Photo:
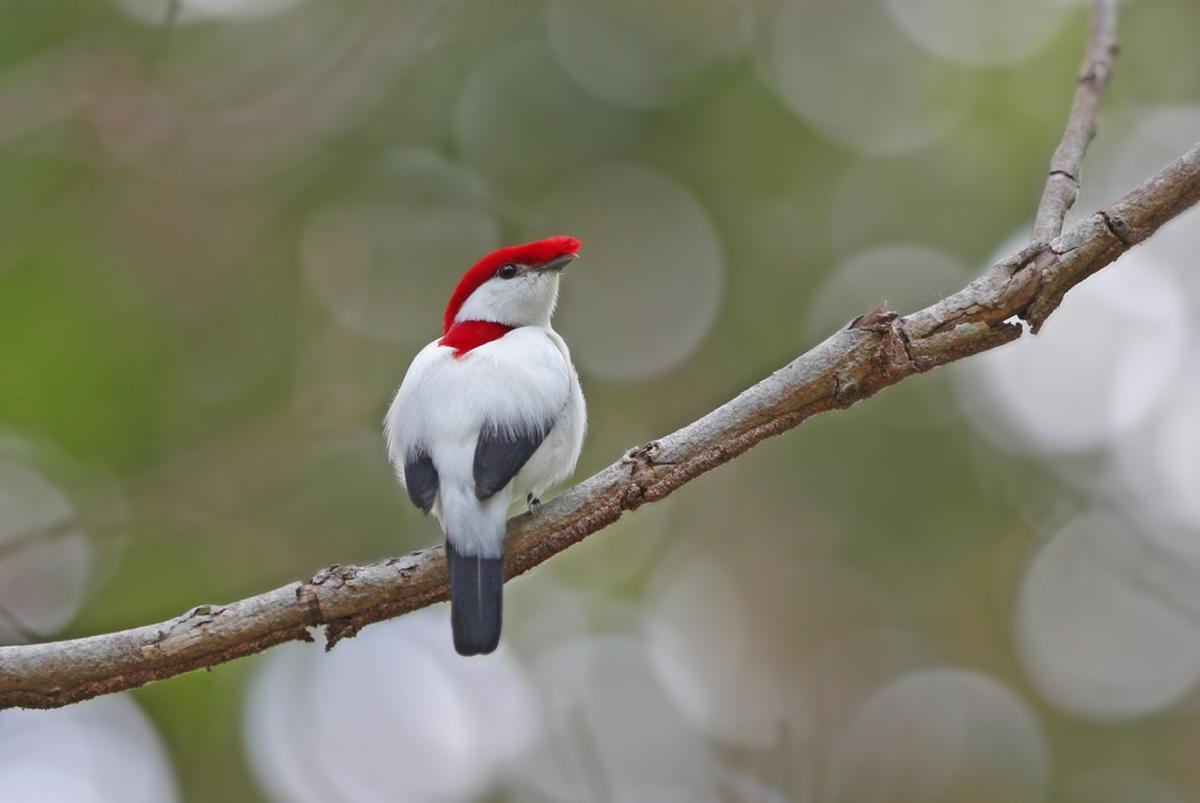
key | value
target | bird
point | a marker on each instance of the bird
(489, 415)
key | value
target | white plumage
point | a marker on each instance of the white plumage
(489, 415)
(517, 383)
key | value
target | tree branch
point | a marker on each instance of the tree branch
(876, 350)
(1062, 182)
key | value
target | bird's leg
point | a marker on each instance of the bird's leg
(535, 504)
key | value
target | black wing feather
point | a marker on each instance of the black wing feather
(421, 480)
(499, 456)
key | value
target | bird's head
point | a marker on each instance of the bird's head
(512, 286)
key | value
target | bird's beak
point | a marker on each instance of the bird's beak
(558, 263)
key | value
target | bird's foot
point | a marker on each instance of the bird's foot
(535, 504)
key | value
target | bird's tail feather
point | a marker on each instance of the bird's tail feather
(476, 601)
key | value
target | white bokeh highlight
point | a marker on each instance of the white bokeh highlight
(1158, 137)
(979, 32)
(522, 89)
(157, 12)
(1102, 364)
(734, 693)
(838, 678)
(908, 276)
(398, 713)
(610, 726)
(649, 284)
(99, 751)
(941, 734)
(384, 260)
(889, 96)
(45, 555)
(1108, 622)
(646, 55)
(1159, 467)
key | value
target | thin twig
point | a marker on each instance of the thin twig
(1062, 183)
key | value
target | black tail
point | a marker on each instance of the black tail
(476, 601)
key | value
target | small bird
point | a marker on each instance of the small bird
(488, 415)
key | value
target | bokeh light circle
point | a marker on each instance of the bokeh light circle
(522, 90)
(907, 276)
(842, 67)
(844, 673)
(1159, 466)
(941, 734)
(399, 703)
(649, 283)
(384, 259)
(733, 693)
(594, 691)
(1106, 620)
(641, 54)
(1158, 137)
(979, 32)
(101, 750)
(1102, 364)
(45, 555)
(157, 12)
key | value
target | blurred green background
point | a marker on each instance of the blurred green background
(226, 226)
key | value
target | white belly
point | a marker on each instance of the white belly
(522, 380)
(555, 459)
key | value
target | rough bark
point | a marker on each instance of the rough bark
(1062, 182)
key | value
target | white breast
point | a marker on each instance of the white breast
(521, 382)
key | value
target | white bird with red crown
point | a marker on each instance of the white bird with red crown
(488, 415)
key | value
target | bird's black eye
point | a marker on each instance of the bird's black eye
(507, 271)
